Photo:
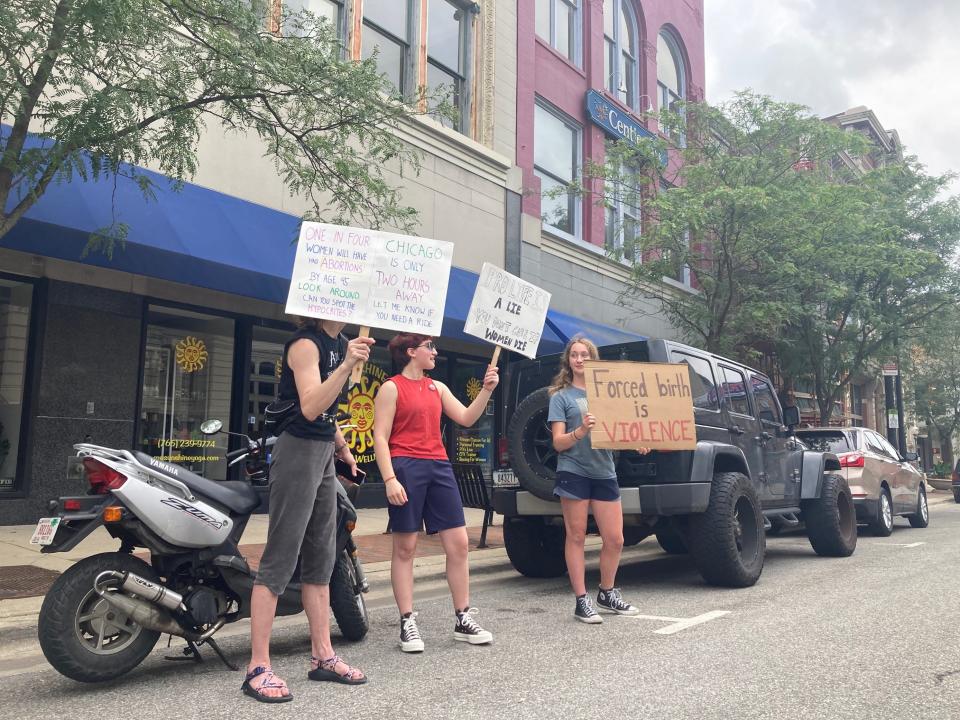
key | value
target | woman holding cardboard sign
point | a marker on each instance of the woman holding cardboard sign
(586, 480)
(419, 481)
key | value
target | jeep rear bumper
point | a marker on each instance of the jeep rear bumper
(651, 500)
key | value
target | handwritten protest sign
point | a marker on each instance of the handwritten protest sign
(507, 311)
(370, 278)
(640, 405)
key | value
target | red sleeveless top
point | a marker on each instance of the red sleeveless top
(416, 422)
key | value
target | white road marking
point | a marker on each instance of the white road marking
(655, 617)
(690, 622)
(909, 545)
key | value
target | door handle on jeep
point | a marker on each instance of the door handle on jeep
(736, 430)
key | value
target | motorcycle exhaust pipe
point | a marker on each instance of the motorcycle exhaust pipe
(145, 611)
(144, 614)
(149, 591)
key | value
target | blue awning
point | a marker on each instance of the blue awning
(207, 239)
(557, 331)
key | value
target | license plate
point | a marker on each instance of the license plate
(46, 529)
(505, 478)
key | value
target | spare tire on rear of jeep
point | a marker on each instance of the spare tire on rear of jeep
(530, 440)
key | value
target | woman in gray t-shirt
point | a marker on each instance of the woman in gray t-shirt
(586, 481)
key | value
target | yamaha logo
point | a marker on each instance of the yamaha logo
(166, 467)
(193, 511)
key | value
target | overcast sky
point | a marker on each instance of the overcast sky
(901, 58)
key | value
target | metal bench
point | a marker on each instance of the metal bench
(474, 493)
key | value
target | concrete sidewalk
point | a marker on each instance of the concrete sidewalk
(26, 573)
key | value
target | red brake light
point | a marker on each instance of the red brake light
(71, 504)
(102, 478)
(503, 452)
(853, 460)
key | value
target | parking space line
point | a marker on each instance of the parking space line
(691, 622)
(909, 545)
(655, 617)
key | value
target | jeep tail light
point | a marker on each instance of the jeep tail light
(503, 452)
(851, 460)
(102, 478)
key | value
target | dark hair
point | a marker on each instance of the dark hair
(400, 344)
(308, 323)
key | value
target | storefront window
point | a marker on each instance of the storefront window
(15, 301)
(357, 402)
(187, 378)
(473, 444)
(266, 358)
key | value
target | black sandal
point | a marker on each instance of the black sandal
(325, 671)
(257, 692)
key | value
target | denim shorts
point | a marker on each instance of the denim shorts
(433, 498)
(577, 487)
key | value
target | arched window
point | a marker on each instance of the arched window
(620, 51)
(671, 79)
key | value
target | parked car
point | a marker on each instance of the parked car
(712, 502)
(955, 481)
(883, 482)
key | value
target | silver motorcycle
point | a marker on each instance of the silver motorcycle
(104, 615)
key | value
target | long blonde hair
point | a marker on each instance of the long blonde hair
(564, 376)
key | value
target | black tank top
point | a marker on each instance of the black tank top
(332, 351)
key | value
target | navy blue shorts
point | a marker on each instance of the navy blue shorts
(577, 487)
(432, 497)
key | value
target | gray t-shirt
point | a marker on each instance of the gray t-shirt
(568, 405)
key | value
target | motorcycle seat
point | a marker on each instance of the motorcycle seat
(236, 496)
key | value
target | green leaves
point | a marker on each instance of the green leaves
(139, 82)
(797, 252)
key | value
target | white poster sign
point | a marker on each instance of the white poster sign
(507, 311)
(370, 278)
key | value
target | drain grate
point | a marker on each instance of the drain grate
(23, 581)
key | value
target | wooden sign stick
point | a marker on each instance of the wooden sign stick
(357, 371)
(496, 356)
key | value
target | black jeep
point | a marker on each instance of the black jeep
(713, 502)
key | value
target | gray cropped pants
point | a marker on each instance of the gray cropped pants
(303, 514)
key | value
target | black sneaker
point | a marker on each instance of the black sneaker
(612, 601)
(584, 611)
(410, 640)
(467, 629)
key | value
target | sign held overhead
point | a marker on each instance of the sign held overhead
(507, 311)
(370, 278)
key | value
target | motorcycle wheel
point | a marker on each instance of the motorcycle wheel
(81, 634)
(347, 601)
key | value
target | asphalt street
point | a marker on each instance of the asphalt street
(870, 636)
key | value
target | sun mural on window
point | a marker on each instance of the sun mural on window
(191, 354)
(474, 386)
(358, 433)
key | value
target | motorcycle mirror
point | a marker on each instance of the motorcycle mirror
(210, 427)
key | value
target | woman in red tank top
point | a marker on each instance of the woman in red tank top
(419, 481)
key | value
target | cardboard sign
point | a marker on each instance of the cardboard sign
(370, 278)
(507, 311)
(640, 405)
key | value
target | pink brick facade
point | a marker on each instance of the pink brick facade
(545, 74)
